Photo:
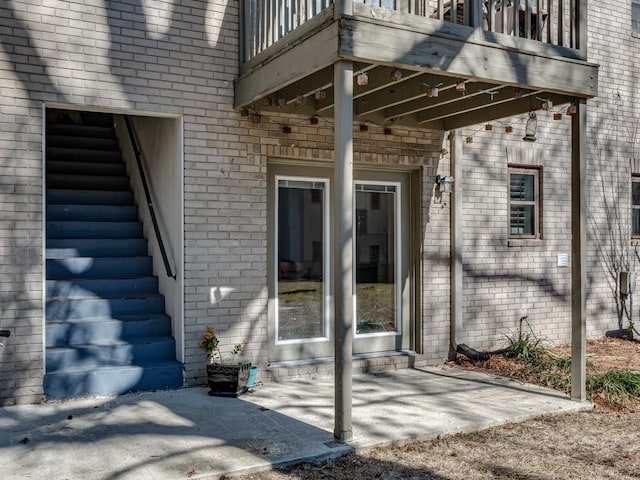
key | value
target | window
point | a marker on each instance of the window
(635, 16)
(635, 206)
(524, 202)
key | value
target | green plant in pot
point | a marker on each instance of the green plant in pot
(227, 373)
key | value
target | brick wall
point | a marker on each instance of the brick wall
(180, 58)
(613, 147)
(176, 58)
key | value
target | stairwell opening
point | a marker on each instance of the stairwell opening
(113, 317)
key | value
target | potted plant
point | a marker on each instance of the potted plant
(227, 374)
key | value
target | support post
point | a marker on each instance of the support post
(455, 222)
(581, 9)
(342, 7)
(578, 252)
(343, 259)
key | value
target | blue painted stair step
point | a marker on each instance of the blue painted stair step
(106, 328)
(95, 247)
(87, 331)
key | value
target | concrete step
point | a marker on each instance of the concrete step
(94, 230)
(107, 380)
(86, 168)
(98, 267)
(146, 350)
(83, 155)
(95, 247)
(89, 331)
(101, 287)
(88, 182)
(89, 197)
(97, 213)
(102, 307)
(82, 142)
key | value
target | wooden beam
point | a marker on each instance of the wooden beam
(320, 80)
(379, 79)
(481, 99)
(288, 67)
(581, 11)
(447, 96)
(579, 252)
(456, 242)
(502, 110)
(372, 42)
(402, 93)
(343, 319)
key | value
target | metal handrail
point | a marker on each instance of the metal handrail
(147, 194)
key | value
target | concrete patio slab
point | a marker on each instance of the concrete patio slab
(187, 434)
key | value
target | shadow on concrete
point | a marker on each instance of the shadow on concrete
(174, 434)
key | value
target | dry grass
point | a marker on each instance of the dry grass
(604, 444)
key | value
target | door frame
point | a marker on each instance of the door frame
(307, 350)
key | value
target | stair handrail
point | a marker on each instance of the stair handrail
(147, 194)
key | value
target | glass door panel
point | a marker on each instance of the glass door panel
(301, 270)
(376, 259)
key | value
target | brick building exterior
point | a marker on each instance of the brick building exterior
(176, 61)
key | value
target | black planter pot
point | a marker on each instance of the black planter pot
(624, 333)
(228, 380)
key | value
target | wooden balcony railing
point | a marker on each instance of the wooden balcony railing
(556, 22)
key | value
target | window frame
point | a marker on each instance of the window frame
(536, 172)
(635, 26)
(635, 178)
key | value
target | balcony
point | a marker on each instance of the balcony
(418, 63)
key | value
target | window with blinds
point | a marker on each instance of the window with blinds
(524, 203)
(635, 206)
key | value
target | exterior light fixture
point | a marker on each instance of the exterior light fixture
(530, 128)
(320, 95)
(301, 100)
(313, 121)
(508, 129)
(469, 140)
(362, 79)
(488, 127)
(364, 127)
(255, 118)
(396, 75)
(557, 116)
(547, 105)
(572, 109)
(387, 131)
(461, 87)
(286, 129)
(444, 183)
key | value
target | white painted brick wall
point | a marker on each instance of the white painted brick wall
(180, 57)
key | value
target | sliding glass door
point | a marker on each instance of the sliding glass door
(301, 281)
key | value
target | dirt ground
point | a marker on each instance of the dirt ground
(602, 444)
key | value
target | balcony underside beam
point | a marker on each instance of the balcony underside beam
(364, 41)
(294, 64)
(403, 64)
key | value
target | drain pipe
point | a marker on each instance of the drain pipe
(455, 228)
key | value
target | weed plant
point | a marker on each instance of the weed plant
(543, 367)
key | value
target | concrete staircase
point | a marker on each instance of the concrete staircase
(106, 328)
